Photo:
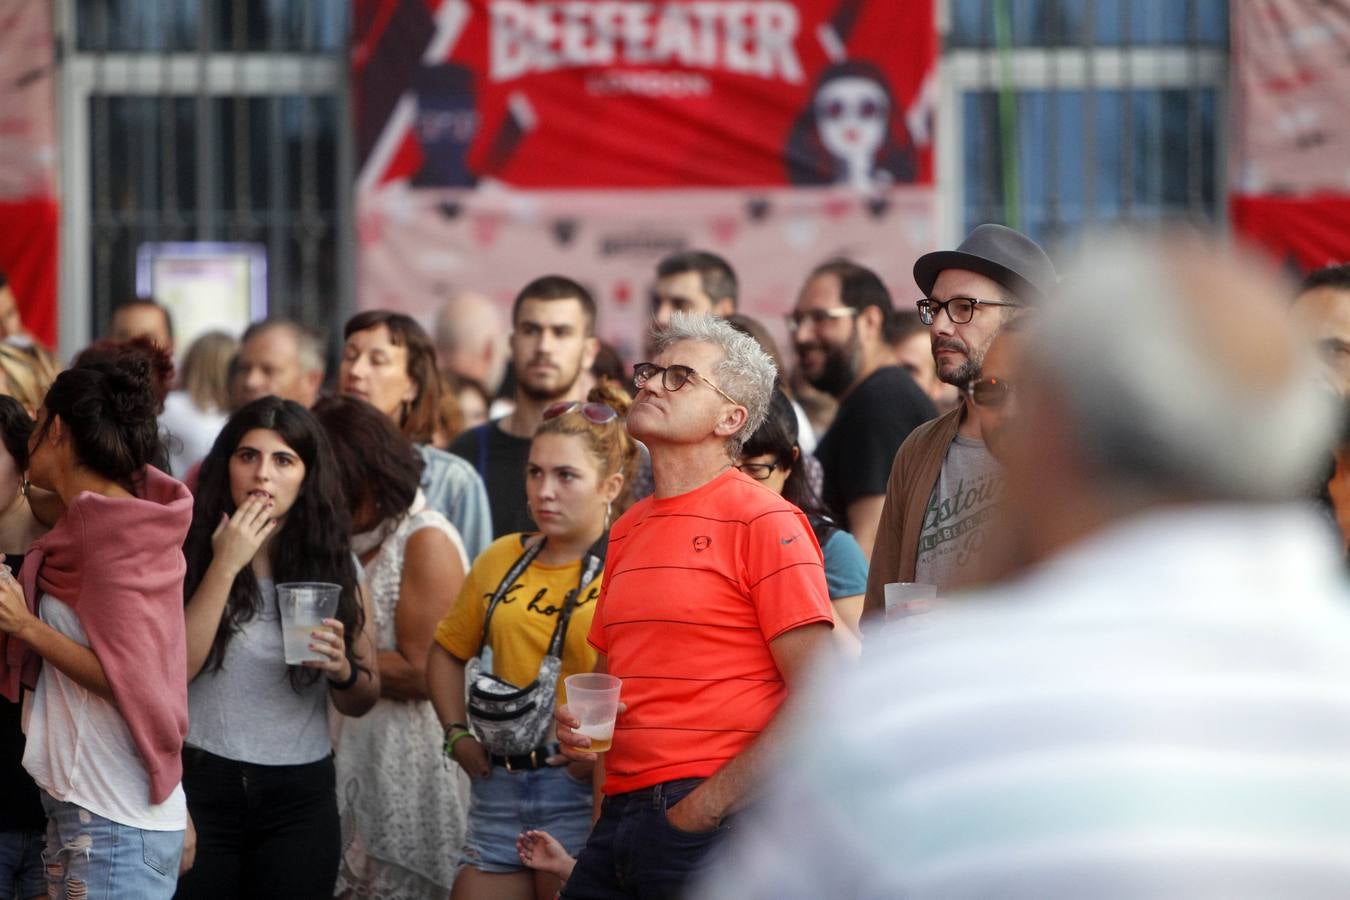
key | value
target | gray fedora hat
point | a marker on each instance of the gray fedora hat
(997, 252)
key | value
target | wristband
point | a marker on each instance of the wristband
(348, 681)
(454, 726)
(452, 739)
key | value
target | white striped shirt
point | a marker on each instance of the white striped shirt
(1161, 711)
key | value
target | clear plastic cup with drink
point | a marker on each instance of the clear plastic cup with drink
(304, 605)
(906, 599)
(593, 698)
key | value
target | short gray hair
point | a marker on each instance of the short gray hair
(1148, 343)
(309, 342)
(746, 372)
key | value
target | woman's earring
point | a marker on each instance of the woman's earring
(609, 510)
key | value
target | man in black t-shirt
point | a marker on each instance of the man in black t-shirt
(840, 327)
(552, 343)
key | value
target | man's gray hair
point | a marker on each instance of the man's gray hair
(1181, 372)
(309, 342)
(746, 372)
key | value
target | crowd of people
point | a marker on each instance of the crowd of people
(1127, 490)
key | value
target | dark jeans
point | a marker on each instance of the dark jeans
(634, 852)
(262, 831)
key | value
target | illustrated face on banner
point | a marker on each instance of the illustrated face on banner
(851, 117)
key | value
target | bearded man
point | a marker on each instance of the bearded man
(840, 327)
(945, 484)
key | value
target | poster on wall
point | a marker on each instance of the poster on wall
(1290, 166)
(499, 140)
(29, 214)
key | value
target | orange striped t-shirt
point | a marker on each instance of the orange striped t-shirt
(696, 586)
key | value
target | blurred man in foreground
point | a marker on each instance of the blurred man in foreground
(1159, 704)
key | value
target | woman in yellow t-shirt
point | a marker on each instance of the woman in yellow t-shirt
(581, 463)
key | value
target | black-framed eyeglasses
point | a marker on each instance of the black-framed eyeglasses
(758, 471)
(672, 378)
(817, 317)
(991, 393)
(595, 413)
(959, 309)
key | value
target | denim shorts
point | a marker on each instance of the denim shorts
(21, 864)
(105, 858)
(503, 806)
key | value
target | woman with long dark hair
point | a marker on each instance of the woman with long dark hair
(102, 618)
(402, 807)
(258, 768)
(773, 457)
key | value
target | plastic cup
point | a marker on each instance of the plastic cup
(909, 598)
(594, 699)
(304, 605)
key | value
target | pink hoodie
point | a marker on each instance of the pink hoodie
(119, 564)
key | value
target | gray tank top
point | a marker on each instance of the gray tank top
(248, 711)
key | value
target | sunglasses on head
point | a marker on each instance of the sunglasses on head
(990, 393)
(595, 413)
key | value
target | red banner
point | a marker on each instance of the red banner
(29, 216)
(499, 139)
(1290, 170)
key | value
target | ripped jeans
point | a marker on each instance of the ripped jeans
(91, 857)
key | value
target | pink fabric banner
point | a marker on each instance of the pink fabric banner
(1290, 140)
(29, 214)
(499, 140)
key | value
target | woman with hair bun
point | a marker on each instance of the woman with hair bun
(97, 632)
(525, 593)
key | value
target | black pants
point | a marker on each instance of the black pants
(634, 853)
(262, 831)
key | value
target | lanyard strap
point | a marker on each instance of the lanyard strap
(594, 561)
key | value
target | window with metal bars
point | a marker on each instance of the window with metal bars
(1076, 112)
(204, 120)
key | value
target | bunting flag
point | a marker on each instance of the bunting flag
(498, 140)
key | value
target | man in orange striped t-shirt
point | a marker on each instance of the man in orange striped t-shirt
(714, 603)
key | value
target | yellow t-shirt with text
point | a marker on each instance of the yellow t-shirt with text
(523, 623)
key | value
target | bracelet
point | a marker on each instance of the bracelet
(452, 739)
(455, 726)
(348, 681)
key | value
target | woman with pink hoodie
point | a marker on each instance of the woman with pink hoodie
(94, 627)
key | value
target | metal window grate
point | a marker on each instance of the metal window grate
(1118, 113)
(213, 120)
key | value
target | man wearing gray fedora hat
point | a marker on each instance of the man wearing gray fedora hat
(944, 482)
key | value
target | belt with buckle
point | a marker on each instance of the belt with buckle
(535, 759)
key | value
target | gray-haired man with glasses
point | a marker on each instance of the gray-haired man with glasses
(944, 484)
(713, 607)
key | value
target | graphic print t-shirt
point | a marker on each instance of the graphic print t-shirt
(523, 622)
(960, 510)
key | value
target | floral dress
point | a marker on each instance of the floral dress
(402, 806)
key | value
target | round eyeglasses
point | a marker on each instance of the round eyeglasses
(595, 413)
(673, 378)
(758, 471)
(959, 309)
